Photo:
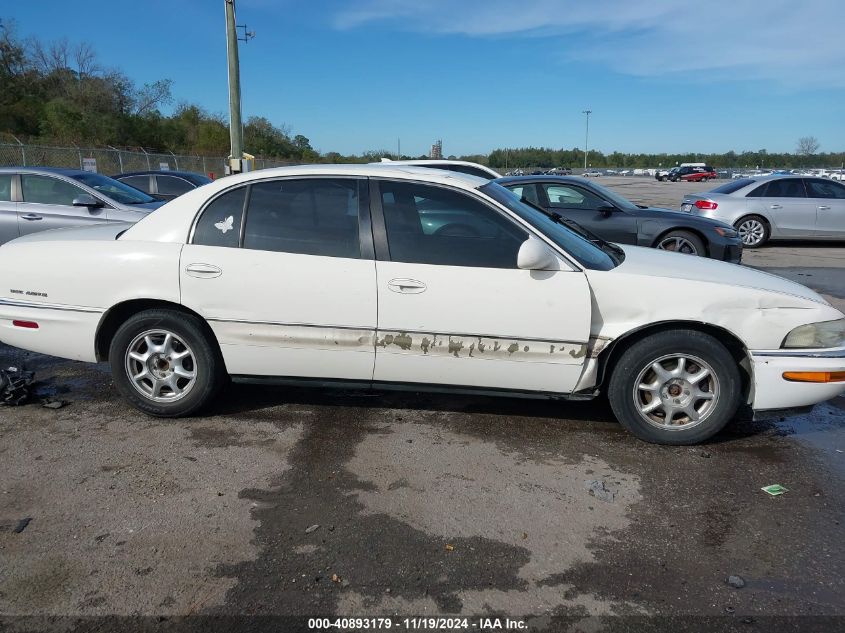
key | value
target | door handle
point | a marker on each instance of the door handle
(203, 271)
(406, 286)
(823, 208)
(775, 206)
(32, 216)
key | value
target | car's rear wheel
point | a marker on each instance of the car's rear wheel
(678, 387)
(165, 364)
(682, 242)
(753, 231)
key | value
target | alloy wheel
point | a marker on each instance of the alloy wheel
(161, 366)
(677, 244)
(751, 232)
(676, 392)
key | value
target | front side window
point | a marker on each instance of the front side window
(825, 189)
(172, 185)
(47, 190)
(220, 222)
(317, 216)
(445, 227)
(567, 197)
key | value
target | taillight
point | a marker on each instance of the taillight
(705, 204)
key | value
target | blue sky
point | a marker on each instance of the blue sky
(352, 76)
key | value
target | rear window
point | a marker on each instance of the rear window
(734, 185)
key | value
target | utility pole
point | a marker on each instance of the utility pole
(398, 148)
(587, 137)
(235, 124)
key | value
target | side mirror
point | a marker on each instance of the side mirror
(606, 209)
(535, 255)
(86, 200)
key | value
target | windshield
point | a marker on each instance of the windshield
(579, 248)
(117, 191)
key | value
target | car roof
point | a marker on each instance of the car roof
(427, 162)
(509, 180)
(160, 172)
(45, 170)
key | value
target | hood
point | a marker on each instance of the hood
(651, 262)
(107, 232)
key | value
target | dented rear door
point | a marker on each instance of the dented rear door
(454, 309)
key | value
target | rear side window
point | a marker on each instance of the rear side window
(734, 185)
(825, 189)
(220, 222)
(316, 216)
(139, 182)
(172, 185)
(5, 187)
(786, 188)
(436, 225)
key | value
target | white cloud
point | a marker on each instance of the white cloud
(792, 43)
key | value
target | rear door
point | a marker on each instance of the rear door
(785, 201)
(47, 203)
(8, 209)
(279, 270)
(829, 198)
(582, 205)
(454, 308)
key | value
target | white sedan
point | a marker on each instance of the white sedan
(390, 276)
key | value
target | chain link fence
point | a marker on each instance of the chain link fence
(111, 160)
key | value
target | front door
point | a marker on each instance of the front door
(47, 203)
(279, 271)
(829, 198)
(785, 201)
(454, 309)
(580, 204)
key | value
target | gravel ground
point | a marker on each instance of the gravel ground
(424, 505)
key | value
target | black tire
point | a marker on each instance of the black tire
(694, 241)
(189, 333)
(746, 225)
(623, 390)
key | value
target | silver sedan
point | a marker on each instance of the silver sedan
(775, 207)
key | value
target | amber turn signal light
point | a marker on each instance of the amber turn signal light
(815, 376)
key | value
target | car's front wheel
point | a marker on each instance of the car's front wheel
(678, 387)
(165, 364)
(682, 242)
(753, 231)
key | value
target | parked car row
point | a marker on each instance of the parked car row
(690, 172)
(410, 278)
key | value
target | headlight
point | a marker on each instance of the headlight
(725, 232)
(814, 335)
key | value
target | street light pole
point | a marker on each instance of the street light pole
(235, 125)
(587, 137)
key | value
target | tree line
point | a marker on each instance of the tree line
(59, 93)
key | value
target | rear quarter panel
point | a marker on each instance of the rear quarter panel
(67, 286)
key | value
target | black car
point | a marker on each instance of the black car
(615, 219)
(164, 185)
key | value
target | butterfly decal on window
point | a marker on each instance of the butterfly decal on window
(225, 225)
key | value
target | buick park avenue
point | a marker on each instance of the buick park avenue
(392, 276)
